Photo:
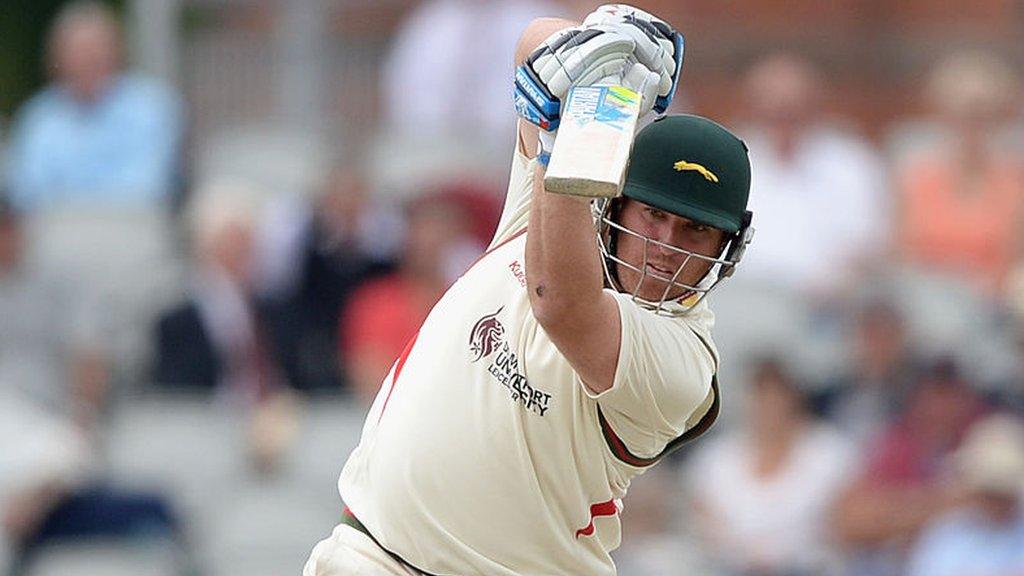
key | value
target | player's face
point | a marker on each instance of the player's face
(659, 264)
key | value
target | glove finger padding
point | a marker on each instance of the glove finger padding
(669, 39)
(575, 55)
(608, 65)
(617, 13)
(610, 72)
(644, 81)
(665, 36)
(649, 51)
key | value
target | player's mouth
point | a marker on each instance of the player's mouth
(659, 272)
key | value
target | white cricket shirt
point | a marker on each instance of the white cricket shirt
(484, 453)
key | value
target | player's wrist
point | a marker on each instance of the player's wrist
(545, 144)
(533, 101)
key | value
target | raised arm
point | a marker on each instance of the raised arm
(564, 271)
(563, 268)
(565, 280)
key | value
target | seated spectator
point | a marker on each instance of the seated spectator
(214, 341)
(961, 188)
(818, 196)
(313, 257)
(761, 493)
(481, 204)
(51, 347)
(384, 314)
(95, 136)
(654, 542)
(882, 370)
(440, 45)
(984, 536)
(53, 389)
(1010, 392)
(37, 471)
(902, 486)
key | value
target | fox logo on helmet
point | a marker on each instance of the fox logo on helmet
(707, 174)
(485, 336)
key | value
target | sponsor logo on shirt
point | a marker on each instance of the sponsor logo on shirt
(486, 335)
(517, 270)
(487, 340)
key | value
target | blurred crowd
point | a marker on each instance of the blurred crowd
(875, 329)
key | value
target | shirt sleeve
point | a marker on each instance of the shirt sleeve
(25, 169)
(663, 380)
(151, 141)
(516, 212)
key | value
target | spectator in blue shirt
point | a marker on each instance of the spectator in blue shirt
(95, 135)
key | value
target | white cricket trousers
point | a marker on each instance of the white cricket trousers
(349, 552)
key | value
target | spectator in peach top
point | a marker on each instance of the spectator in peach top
(385, 313)
(962, 189)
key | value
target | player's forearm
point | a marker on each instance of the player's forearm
(563, 267)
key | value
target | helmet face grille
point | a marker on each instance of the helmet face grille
(667, 304)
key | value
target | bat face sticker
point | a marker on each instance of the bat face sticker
(487, 333)
(707, 174)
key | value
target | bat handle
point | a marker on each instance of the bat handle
(591, 152)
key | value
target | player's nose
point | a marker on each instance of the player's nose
(670, 238)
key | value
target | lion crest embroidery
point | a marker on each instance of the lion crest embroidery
(486, 335)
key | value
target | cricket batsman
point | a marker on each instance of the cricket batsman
(572, 356)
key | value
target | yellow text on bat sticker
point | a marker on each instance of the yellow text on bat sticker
(707, 174)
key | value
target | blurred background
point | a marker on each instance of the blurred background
(220, 220)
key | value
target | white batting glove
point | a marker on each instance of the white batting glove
(572, 57)
(580, 57)
(649, 52)
(659, 46)
(642, 80)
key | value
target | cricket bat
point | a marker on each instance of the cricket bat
(595, 138)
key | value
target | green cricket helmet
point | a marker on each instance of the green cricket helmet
(694, 168)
